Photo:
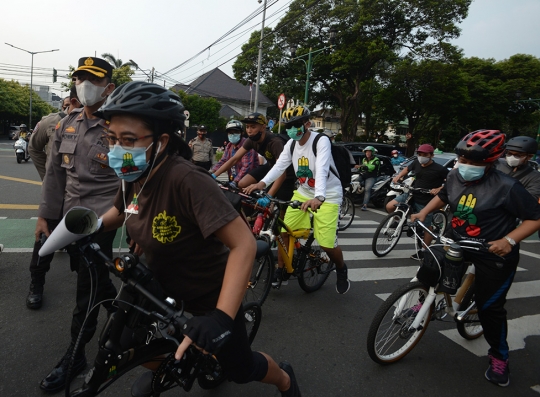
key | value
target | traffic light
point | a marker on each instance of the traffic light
(54, 75)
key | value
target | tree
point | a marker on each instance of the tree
(116, 62)
(371, 34)
(202, 111)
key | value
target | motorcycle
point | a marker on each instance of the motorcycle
(21, 149)
(392, 194)
(378, 192)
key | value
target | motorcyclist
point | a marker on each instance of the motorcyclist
(397, 158)
(370, 170)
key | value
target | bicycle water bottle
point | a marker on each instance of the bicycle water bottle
(452, 270)
(257, 226)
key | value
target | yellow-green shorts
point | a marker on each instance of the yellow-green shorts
(324, 222)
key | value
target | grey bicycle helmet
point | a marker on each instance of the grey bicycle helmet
(524, 144)
(234, 125)
(145, 100)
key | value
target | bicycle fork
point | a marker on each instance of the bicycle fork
(428, 301)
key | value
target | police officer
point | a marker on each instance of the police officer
(78, 174)
(39, 149)
(202, 149)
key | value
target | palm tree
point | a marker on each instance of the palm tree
(117, 63)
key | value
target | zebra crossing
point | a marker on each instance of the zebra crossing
(364, 266)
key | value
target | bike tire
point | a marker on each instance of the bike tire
(314, 268)
(470, 327)
(384, 240)
(388, 338)
(260, 281)
(252, 318)
(346, 213)
(439, 223)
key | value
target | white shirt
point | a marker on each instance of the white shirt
(312, 172)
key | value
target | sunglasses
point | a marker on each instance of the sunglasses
(295, 124)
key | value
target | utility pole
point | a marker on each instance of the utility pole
(152, 75)
(256, 106)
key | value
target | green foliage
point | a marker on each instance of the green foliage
(116, 62)
(15, 103)
(203, 111)
(122, 75)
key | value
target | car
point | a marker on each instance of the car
(13, 130)
(447, 160)
(382, 148)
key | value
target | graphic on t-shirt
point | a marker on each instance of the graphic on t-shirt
(128, 165)
(304, 172)
(133, 208)
(464, 213)
(268, 155)
(165, 228)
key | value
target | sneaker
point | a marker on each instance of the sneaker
(56, 380)
(413, 311)
(418, 256)
(342, 284)
(498, 371)
(293, 391)
(34, 300)
(278, 281)
(364, 208)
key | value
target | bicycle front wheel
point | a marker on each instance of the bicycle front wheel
(470, 327)
(389, 337)
(346, 213)
(387, 234)
(315, 269)
(439, 222)
(260, 281)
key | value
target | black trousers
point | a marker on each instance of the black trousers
(39, 266)
(95, 278)
(492, 282)
(205, 164)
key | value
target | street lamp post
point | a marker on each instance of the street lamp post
(256, 106)
(311, 58)
(31, 75)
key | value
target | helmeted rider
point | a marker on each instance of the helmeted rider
(485, 204)
(370, 171)
(397, 157)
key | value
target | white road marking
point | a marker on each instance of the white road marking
(518, 329)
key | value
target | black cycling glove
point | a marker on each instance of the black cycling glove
(210, 332)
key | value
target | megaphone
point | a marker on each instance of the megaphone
(78, 222)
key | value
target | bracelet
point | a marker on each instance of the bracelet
(510, 240)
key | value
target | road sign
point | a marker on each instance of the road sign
(186, 112)
(281, 101)
(271, 124)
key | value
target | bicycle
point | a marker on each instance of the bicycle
(403, 318)
(346, 211)
(262, 274)
(391, 227)
(307, 261)
(156, 325)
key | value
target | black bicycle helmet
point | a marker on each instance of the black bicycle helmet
(524, 144)
(295, 114)
(145, 100)
(481, 145)
(234, 125)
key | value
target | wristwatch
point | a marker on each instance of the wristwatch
(320, 198)
(510, 240)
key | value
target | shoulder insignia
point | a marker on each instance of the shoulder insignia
(101, 156)
(66, 159)
(57, 126)
(70, 129)
(80, 116)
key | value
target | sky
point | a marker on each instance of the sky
(165, 33)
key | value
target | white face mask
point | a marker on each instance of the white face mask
(89, 94)
(513, 161)
(423, 160)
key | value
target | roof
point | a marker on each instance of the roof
(216, 84)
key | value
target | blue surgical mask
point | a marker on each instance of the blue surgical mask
(471, 172)
(234, 138)
(293, 133)
(130, 163)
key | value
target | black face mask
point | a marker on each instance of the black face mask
(256, 137)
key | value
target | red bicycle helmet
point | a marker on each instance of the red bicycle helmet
(482, 145)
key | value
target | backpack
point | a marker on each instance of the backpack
(343, 160)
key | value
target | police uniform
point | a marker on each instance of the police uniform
(202, 152)
(39, 147)
(78, 174)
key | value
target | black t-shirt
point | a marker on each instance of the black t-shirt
(270, 148)
(429, 177)
(486, 210)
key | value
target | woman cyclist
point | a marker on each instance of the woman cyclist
(197, 246)
(485, 203)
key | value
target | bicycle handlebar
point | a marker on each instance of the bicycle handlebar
(402, 186)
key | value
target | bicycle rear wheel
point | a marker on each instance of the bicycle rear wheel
(439, 222)
(470, 327)
(260, 281)
(387, 236)
(389, 338)
(314, 269)
(346, 213)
